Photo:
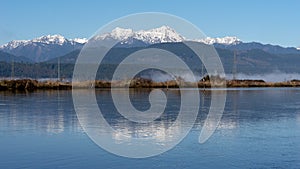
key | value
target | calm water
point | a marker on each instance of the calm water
(260, 128)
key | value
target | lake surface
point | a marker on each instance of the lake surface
(260, 128)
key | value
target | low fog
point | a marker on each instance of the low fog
(268, 77)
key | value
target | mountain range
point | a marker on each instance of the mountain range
(251, 56)
(42, 48)
(52, 46)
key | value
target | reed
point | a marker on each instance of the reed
(29, 84)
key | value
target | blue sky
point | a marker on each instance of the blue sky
(274, 22)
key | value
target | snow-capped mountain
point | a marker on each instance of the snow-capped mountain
(43, 48)
(80, 40)
(159, 35)
(298, 48)
(162, 34)
(51, 46)
(228, 40)
(48, 39)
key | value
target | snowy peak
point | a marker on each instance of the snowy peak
(298, 48)
(162, 34)
(116, 34)
(79, 40)
(48, 39)
(121, 34)
(51, 39)
(157, 35)
(14, 44)
(43, 48)
(228, 40)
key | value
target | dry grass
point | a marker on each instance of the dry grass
(28, 84)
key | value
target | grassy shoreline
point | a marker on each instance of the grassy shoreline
(31, 85)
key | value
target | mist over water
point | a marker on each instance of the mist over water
(268, 77)
(159, 76)
(276, 76)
